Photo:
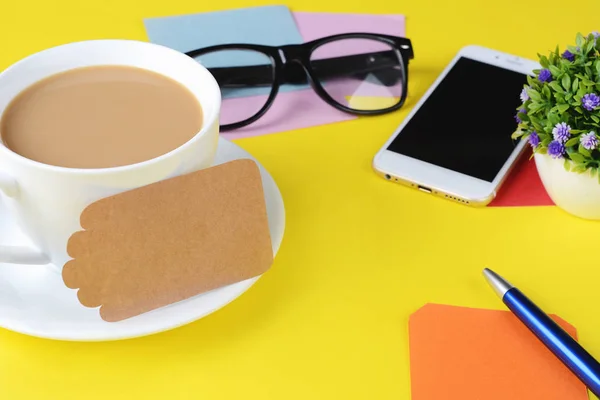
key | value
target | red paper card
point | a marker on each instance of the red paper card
(523, 187)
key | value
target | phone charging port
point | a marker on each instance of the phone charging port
(424, 189)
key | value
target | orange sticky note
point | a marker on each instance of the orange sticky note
(474, 354)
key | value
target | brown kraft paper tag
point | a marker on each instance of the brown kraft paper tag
(166, 242)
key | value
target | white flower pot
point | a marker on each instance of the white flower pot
(578, 194)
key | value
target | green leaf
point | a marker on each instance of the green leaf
(531, 80)
(556, 86)
(546, 92)
(568, 96)
(546, 141)
(544, 61)
(584, 151)
(572, 142)
(577, 157)
(543, 135)
(534, 95)
(588, 83)
(565, 64)
(534, 107)
(553, 119)
(579, 169)
(575, 85)
(579, 39)
(554, 56)
(593, 172)
(542, 150)
(535, 122)
(556, 72)
(566, 81)
(588, 71)
(597, 64)
(567, 165)
(573, 49)
(595, 118)
(579, 110)
(562, 107)
(590, 46)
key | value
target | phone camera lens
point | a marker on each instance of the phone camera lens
(388, 177)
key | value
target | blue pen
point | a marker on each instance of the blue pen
(559, 342)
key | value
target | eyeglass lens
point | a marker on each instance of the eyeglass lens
(246, 80)
(362, 74)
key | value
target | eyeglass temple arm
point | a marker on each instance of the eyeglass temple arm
(358, 64)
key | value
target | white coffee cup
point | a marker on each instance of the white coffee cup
(47, 201)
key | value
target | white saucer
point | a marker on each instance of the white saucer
(35, 301)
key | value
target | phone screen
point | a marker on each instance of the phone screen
(466, 123)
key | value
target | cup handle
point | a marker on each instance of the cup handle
(17, 254)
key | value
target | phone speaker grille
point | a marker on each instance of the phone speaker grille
(457, 199)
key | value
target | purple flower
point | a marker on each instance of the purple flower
(596, 34)
(556, 149)
(589, 141)
(568, 55)
(590, 101)
(561, 132)
(545, 75)
(524, 96)
(522, 111)
(534, 139)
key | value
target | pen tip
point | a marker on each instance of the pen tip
(499, 284)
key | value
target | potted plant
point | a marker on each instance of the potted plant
(560, 118)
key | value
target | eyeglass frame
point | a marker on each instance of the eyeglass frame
(284, 57)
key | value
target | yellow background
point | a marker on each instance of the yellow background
(329, 321)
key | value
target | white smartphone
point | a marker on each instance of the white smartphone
(456, 142)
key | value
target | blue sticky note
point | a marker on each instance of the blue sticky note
(269, 25)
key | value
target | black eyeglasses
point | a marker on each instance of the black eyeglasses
(358, 73)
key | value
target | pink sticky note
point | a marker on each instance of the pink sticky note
(303, 108)
(291, 110)
(314, 25)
